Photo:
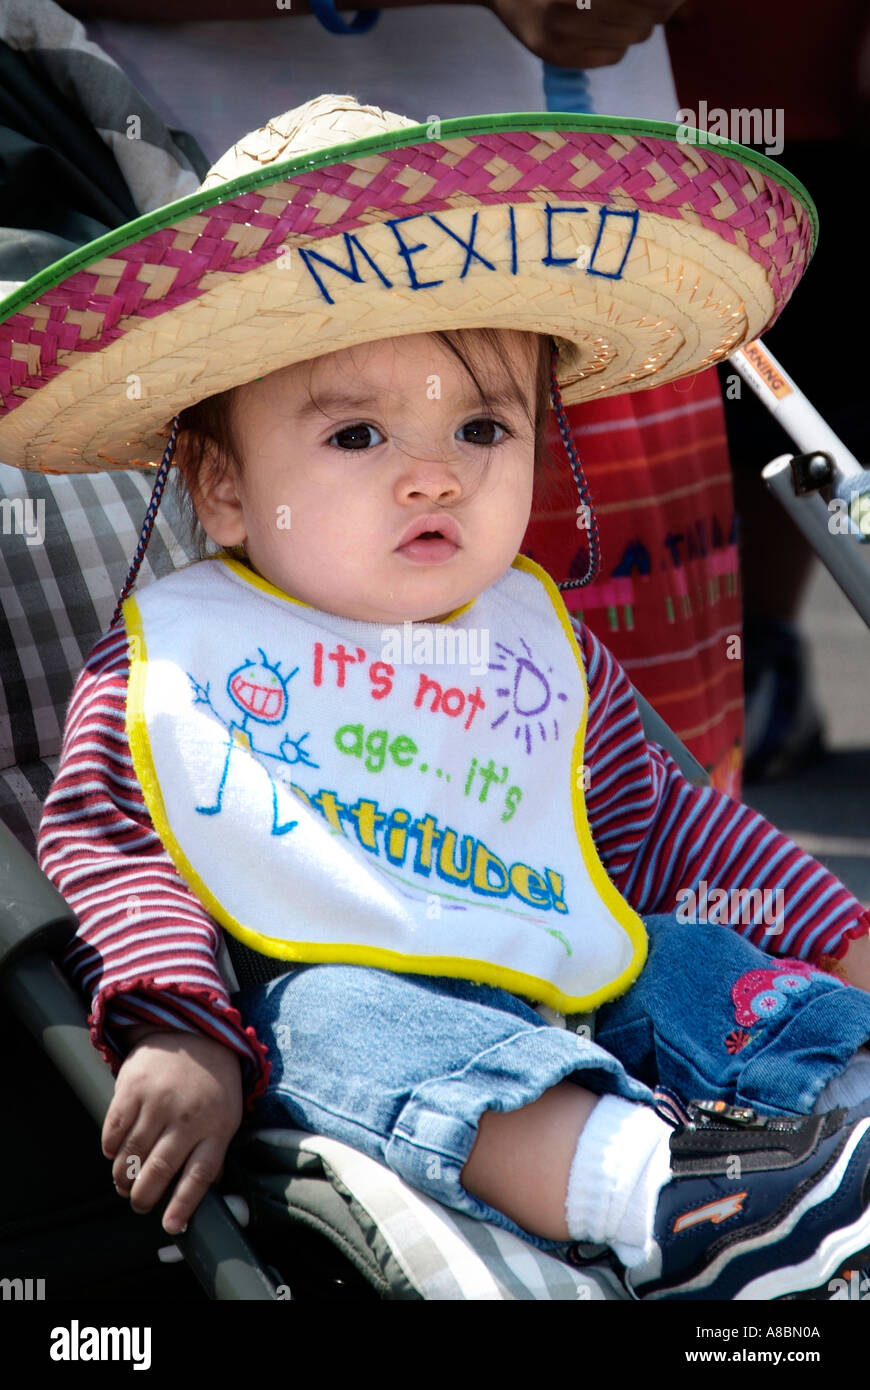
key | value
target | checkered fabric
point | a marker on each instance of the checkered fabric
(65, 544)
(413, 1247)
(159, 164)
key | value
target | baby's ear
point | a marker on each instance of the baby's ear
(215, 494)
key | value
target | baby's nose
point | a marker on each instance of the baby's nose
(433, 478)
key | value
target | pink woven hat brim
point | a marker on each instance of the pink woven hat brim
(647, 259)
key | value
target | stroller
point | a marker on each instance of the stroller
(297, 1215)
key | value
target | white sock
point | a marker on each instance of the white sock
(622, 1162)
(850, 1087)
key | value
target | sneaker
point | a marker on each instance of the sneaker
(759, 1206)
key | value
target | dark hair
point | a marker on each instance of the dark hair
(208, 444)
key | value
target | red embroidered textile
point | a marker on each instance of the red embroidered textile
(667, 600)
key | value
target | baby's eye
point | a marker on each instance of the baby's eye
(481, 431)
(356, 437)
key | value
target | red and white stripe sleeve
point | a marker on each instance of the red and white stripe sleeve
(146, 950)
(658, 834)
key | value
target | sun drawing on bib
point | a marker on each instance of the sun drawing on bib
(529, 694)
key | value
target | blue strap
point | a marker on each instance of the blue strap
(325, 11)
(566, 89)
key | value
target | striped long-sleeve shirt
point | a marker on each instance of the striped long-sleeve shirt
(147, 951)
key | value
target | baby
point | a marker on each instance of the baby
(362, 762)
(426, 850)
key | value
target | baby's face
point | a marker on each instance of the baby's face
(327, 504)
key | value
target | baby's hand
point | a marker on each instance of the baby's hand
(177, 1105)
(854, 967)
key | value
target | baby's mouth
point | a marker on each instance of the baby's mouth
(430, 548)
(433, 527)
(430, 542)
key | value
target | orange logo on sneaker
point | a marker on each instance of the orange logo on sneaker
(716, 1212)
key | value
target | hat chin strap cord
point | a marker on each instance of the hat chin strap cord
(586, 518)
(150, 518)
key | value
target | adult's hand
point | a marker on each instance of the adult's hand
(560, 33)
(553, 29)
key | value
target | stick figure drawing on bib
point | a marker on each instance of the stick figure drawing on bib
(258, 689)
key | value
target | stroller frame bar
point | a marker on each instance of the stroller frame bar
(789, 406)
(845, 563)
(811, 432)
(34, 990)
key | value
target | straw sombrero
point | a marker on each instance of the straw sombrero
(645, 259)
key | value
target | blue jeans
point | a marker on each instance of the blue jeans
(401, 1067)
(713, 1016)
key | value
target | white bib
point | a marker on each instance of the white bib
(410, 798)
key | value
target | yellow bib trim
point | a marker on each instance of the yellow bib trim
(481, 972)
